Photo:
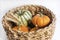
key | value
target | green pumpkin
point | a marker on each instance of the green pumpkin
(23, 16)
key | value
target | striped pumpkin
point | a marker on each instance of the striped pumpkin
(23, 16)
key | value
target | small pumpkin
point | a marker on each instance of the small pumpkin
(23, 28)
(34, 19)
(23, 16)
(40, 20)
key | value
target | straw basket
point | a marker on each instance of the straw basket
(40, 34)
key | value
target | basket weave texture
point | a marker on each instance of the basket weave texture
(41, 34)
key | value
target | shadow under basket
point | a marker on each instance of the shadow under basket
(40, 34)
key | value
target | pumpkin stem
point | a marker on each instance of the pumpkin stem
(41, 14)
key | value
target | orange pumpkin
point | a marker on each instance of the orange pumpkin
(23, 28)
(40, 20)
(34, 19)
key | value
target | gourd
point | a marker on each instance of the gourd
(40, 20)
(23, 16)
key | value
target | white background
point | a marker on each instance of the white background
(53, 5)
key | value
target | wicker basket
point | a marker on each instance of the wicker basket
(40, 34)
